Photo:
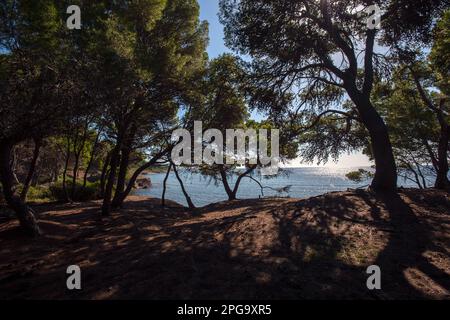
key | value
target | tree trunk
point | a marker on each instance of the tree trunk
(226, 185)
(75, 175)
(442, 181)
(106, 207)
(14, 165)
(123, 169)
(163, 197)
(409, 167)
(91, 158)
(26, 185)
(421, 175)
(104, 175)
(431, 153)
(36, 176)
(232, 194)
(24, 213)
(186, 195)
(66, 166)
(121, 198)
(239, 179)
(385, 178)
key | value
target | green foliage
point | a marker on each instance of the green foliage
(408, 118)
(39, 194)
(223, 104)
(288, 147)
(37, 77)
(88, 193)
(36, 25)
(440, 53)
(409, 24)
(413, 126)
(331, 136)
(359, 176)
(55, 192)
(135, 65)
(126, 72)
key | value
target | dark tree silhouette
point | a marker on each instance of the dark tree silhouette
(299, 45)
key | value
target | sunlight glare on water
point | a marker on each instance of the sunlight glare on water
(303, 182)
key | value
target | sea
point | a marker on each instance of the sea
(290, 182)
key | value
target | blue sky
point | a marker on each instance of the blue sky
(209, 10)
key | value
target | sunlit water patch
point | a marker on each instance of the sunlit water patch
(300, 183)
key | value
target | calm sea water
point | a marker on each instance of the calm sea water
(303, 182)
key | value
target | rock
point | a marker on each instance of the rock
(94, 178)
(143, 183)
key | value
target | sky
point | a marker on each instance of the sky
(209, 10)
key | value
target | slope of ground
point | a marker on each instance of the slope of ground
(258, 249)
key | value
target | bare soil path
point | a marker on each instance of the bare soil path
(317, 248)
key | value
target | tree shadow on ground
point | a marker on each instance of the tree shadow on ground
(318, 248)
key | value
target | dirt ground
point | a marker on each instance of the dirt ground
(317, 248)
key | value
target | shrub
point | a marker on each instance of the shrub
(39, 193)
(88, 193)
(359, 176)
